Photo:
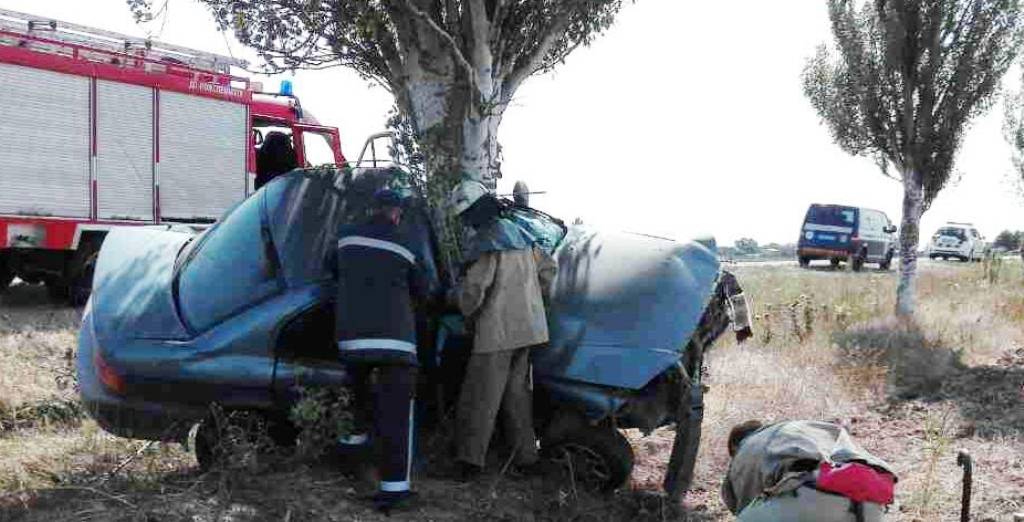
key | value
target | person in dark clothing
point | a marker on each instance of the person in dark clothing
(275, 157)
(378, 284)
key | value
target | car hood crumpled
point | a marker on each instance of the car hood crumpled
(132, 294)
(624, 307)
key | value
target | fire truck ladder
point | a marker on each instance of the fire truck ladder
(73, 34)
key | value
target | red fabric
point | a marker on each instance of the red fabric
(857, 482)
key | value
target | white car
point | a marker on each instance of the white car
(959, 241)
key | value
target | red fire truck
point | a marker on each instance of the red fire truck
(101, 130)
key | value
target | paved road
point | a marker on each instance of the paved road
(923, 262)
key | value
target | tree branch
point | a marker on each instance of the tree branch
(535, 62)
(447, 37)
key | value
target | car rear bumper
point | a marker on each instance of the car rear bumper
(940, 251)
(822, 253)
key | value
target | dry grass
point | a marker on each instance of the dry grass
(824, 350)
(37, 342)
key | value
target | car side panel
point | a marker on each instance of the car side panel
(173, 383)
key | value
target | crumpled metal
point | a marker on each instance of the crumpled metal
(502, 234)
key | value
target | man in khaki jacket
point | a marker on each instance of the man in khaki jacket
(794, 471)
(502, 299)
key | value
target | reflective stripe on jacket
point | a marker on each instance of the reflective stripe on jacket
(378, 280)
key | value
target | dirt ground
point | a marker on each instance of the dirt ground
(823, 349)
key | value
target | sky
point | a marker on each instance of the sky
(683, 119)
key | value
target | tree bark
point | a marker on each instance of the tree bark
(913, 208)
(457, 138)
(480, 148)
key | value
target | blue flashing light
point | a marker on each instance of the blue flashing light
(286, 88)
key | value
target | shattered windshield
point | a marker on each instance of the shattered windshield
(546, 230)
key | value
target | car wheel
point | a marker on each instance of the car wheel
(57, 289)
(804, 262)
(595, 458)
(222, 438)
(81, 280)
(887, 264)
(6, 275)
(207, 445)
(834, 262)
(686, 446)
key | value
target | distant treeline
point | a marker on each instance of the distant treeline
(1009, 240)
(747, 248)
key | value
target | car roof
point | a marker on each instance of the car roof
(839, 205)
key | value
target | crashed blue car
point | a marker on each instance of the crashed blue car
(241, 314)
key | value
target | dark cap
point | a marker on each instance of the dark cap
(387, 198)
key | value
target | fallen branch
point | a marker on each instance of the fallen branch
(99, 492)
(117, 469)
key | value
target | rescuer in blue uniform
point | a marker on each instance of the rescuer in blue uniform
(379, 282)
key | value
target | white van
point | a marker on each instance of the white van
(959, 241)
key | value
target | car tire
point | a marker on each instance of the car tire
(595, 458)
(57, 289)
(804, 262)
(206, 445)
(887, 264)
(210, 448)
(683, 458)
(834, 262)
(80, 286)
(6, 274)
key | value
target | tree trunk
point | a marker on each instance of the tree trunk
(913, 208)
(480, 148)
(456, 141)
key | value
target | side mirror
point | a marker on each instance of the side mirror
(890, 229)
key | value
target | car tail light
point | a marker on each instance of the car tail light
(110, 378)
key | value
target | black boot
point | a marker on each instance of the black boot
(388, 501)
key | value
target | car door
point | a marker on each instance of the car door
(871, 234)
(890, 237)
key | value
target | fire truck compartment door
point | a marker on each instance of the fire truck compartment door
(203, 146)
(124, 147)
(44, 143)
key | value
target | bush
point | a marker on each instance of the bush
(918, 363)
(321, 416)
